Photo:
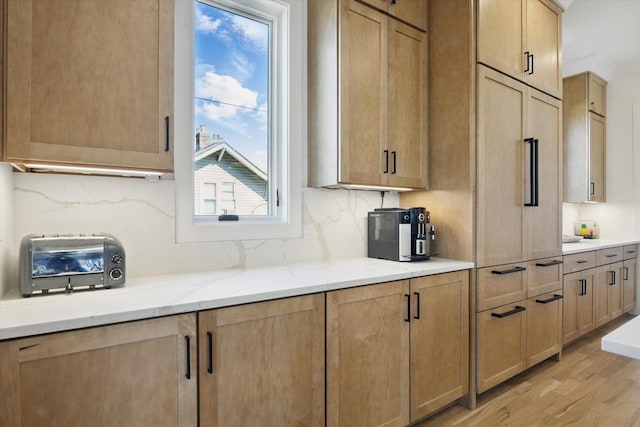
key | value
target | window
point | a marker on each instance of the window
(239, 118)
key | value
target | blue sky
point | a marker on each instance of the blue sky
(231, 64)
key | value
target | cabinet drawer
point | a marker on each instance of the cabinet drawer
(610, 255)
(501, 344)
(544, 327)
(501, 285)
(544, 275)
(630, 251)
(577, 262)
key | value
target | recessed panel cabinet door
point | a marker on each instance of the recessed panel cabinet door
(90, 82)
(544, 220)
(544, 27)
(500, 173)
(368, 356)
(262, 364)
(129, 374)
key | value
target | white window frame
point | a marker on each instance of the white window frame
(289, 123)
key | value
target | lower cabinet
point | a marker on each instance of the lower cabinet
(629, 285)
(519, 319)
(608, 293)
(128, 374)
(263, 363)
(396, 351)
(578, 316)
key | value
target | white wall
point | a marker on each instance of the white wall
(6, 226)
(141, 213)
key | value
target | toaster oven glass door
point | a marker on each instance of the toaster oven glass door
(48, 262)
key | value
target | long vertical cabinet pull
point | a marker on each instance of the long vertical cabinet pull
(393, 154)
(408, 318)
(533, 172)
(526, 56)
(417, 316)
(583, 287)
(210, 352)
(386, 161)
(167, 133)
(626, 273)
(613, 278)
(187, 342)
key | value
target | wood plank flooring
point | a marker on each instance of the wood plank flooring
(587, 388)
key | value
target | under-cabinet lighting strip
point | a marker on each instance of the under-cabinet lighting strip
(93, 171)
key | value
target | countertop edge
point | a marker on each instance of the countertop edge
(594, 245)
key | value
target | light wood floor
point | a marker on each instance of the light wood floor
(588, 387)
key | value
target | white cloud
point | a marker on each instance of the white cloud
(254, 32)
(205, 24)
(232, 95)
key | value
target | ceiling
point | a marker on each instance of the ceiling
(602, 36)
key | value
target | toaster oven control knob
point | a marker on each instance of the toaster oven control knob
(116, 258)
(115, 273)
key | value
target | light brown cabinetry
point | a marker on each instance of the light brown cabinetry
(608, 293)
(413, 12)
(396, 351)
(629, 297)
(368, 94)
(584, 138)
(519, 320)
(522, 39)
(90, 83)
(519, 171)
(263, 363)
(138, 373)
(578, 316)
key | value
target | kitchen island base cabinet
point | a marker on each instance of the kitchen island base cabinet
(129, 374)
(263, 363)
(397, 351)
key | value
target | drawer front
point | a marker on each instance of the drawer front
(544, 327)
(630, 251)
(501, 344)
(610, 255)
(501, 285)
(544, 275)
(577, 262)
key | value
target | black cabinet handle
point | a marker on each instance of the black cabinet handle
(593, 188)
(417, 316)
(187, 341)
(547, 301)
(531, 71)
(583, 287)
(631, 251)
(408, 318)
(386, 161)
(526, 55)
(210, 352)
(509, 271)
(611, 255)
(626, 273)
(518, 309)
(393, 153)
(549, 264)
(613, 278)
(533, 172)
(581, 261)
(167, 133)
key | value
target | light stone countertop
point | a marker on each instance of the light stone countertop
(147, 297)
(586, 245)
(624, 340)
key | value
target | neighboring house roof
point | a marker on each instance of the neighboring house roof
(222, 148)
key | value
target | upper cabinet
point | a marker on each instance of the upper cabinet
(90, 83)
(522, 39)
(584, 106)
(367, 97)
(412, 12)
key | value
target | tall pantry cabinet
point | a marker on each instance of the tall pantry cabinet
(496, 173)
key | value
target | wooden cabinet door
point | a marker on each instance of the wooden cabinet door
(544, 327)
(500, 172)
(368, 355)
(501, 344)
(90, 83)
(439, 341)
(597, 158)
(364, 91)
(543, 30)
(544, 221)
(616, 291)
(129, 374)
(263, 363)
(407, 127)
(412, 11)
(577, 305)
(501, 35)
(608, 295)
(629, 285)
(597, 95)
